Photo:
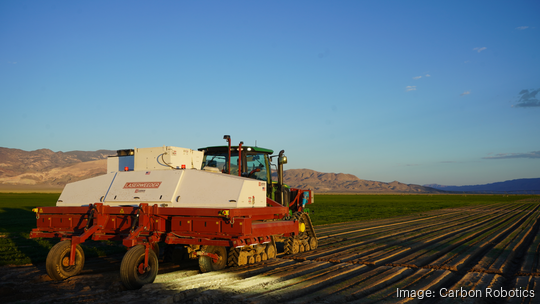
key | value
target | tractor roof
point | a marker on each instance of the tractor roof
(235, 148)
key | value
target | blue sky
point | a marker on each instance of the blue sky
(414, 91)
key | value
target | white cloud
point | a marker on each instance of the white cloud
(427, 75)
(410, 88)
(417, 77)
(521, 28)
(479, 49)
(465, 93)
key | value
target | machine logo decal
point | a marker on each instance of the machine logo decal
(147, 185)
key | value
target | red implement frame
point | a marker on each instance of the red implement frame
(147, 224)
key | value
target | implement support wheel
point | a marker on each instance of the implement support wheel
(132, 271)
(206, 264)
(57, 263)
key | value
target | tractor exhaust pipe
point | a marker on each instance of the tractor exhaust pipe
(281, 161)
(228, 139)
(240, 158)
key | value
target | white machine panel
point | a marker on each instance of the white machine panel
(171, 188)
(210, 190)
(135, 187)
(85, 192)
(163, 158)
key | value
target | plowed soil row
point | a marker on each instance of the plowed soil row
(484, 254)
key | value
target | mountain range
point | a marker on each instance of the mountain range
(522, 185)
(45, 170)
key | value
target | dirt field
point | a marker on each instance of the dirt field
(487, 254)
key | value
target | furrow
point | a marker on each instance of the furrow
(385, 226)
(400, 291)
(337, 230)
(530, 262)
(467, 252)
(364, 248)
(436, 222)
(330, 228)
(412, 245)
(370, 286)
(421, 258)
(260, 284)
(437, 278)
(226, 275)
(498, 259)
(306, 285)
(473, 287)
(528, 289)
(357, 234)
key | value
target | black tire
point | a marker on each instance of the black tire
(57, 263)
(233, 257)
(132, 272)
(292, 246)
(206, 264)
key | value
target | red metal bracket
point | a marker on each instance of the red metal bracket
(272, 203)
(76, 240)
(131, 240)
(146, 249)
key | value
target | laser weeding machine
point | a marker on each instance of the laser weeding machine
(219, 202)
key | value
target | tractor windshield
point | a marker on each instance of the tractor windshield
(254, 165)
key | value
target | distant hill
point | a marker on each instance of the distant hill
(47, 170)
(346, 183)
(522, 185)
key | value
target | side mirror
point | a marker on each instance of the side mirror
(282, 160)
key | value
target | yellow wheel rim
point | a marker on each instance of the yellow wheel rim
(302, 227)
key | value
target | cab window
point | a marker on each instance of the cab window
(256, 167)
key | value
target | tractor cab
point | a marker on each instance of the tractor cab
(252, 162)
(245, 161)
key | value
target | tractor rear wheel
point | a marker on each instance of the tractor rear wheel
(132, 271)
(207, 264)
(57, 263)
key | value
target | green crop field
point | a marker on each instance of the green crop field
(17, 218)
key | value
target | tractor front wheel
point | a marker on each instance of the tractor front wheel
(132, 271)
(207, 264)
(57, 263)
